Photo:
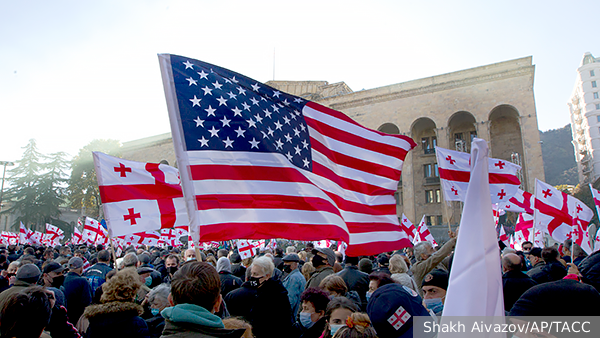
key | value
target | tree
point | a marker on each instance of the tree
(35, 188)
(83, 186)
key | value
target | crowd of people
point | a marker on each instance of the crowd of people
(297, 290)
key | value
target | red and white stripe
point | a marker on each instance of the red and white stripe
(455, 170)
(504, 237)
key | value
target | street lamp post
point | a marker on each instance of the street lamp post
(5, 164)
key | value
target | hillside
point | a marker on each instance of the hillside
(559, 159)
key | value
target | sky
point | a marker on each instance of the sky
(74, 71)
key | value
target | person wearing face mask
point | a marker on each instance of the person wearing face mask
(262, 301)
(171, 266)
(293, 281)
(158, 301)
(337, 312)
(434, 288)
(311, 321)
(323, 261)
(52, 278)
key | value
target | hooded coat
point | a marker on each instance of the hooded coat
(108, 319)
(229, 282)
(189, 320)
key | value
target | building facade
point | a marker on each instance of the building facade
(493, 102)
(584, 109)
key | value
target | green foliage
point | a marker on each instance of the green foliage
(82, 190)
(37, 188)
(559, 158)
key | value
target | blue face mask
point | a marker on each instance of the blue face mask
(155, 312)
(369, 295)
(434, 304)
(335, 327)
(305, 320)
(148, 281)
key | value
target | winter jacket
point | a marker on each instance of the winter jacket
(78, 293)
(405, 279)
(565, 297)
(317, 276)
(422, 268)
(229, 282)
(239, 271)
(267, 308)
(189, 320)
(294, 283)
(116, 319)
(590, 270)
(156, 325)
(356, 281)
(315, 331)
(514, 284)
(550, 272)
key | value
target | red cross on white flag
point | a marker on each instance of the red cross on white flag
(246, 248)
(324, 243)
(77, 236)
(423, 233)
(561, 215)
(53, 235)
(522, 201)
(93, 232)
(24, 234)
(170, 237)
(455, 170)
(408, 227)
(138, 196)
(399, 318)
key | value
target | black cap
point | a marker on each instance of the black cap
(53, 267)
(291, 258)
(437, 278)
(144, 270)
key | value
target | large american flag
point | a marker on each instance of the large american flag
(259, 163)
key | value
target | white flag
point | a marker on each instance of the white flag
(475, 286)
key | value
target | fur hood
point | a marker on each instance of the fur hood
(113, 308)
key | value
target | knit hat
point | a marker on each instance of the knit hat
(392, 308)
(29, 273)
(437, 278)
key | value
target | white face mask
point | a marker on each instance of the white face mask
(190, 259)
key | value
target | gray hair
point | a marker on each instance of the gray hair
(159, 294)
(421, 248)
(264, 265)
(397, 264)
(130, 260)
(290, 249)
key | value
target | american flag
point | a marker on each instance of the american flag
(260, 163)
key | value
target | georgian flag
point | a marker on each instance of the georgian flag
(455, 171)
(423, 234)
(93, 232)
(325, 243)
(597, 241)
(53, 235)
(37, 238)
(409, 228)
(24, 234)
(560, 215)
(139, 197)
(246, 248)
(170, 237)
(149, 238)
(9, 238)
(522, 201)
(504, 237)
(77, 236)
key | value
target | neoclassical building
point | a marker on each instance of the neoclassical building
(493, 102)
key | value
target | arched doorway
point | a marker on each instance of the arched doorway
(462, 128)
(389, 128)
(506, 141)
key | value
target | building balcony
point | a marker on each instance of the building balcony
(432, 180)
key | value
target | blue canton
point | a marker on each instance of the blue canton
(223, 110)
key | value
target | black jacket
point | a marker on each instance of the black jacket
(229, 282)
(239, 271)
(267, 308)
(550, 272)
(590, 270)
(78, 294)
(514, 284)
(565, 297)
(116, 319)
(356, 281)
(156, 325)
(314, 331)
